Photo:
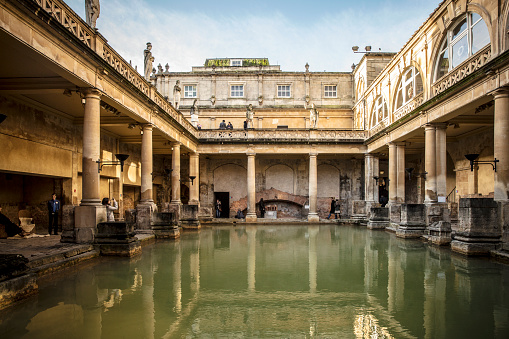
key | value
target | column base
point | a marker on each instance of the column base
(313, 217)
(90, 202)
(86, 219)
(144, 214)
(378, 218)
(251, 217)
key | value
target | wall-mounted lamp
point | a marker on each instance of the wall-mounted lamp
(121, 159)
(471, 157)
(137, 124)
(2, 117)
(409, 170)
(191, 179)
(376, 179)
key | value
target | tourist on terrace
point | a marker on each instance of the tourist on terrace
(222, 125)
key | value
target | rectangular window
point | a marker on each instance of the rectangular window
(330, 91)
(190, 91)
(237, 91)
(237, 63)
(283, 91)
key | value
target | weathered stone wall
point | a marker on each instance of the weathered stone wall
(339, 178)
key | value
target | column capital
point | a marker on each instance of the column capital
(147, 126)
(313, 154)
(175, 144)
(88, 92)
(250, 153)
(430, 126)
(502, 92)
(194, 154)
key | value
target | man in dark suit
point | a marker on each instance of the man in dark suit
(53, 208)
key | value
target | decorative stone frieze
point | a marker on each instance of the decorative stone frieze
(409, 107)
(282, 135)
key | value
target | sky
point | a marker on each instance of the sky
(288, 33)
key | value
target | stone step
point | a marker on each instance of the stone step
(55, 261)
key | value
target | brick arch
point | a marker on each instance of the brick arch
(231, 178)
(328, 181)
(280, 177)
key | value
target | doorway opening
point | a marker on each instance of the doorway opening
(224, 197)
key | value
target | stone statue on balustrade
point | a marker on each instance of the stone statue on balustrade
(249, 116)
(92, 10)
(313, 117)
(148, 61)
(176, 95)
(194, 113)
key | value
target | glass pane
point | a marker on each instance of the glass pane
(409, 91)
(418, 84)
(399, 100)
(480, 36)
(475, 18)
(442, 64)
(385, 111)
(407, 76)
(459, 28)
(459, 51)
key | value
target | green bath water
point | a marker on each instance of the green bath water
(272, 282)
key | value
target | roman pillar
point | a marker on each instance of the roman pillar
(371, 170)
(441, 161)
(313, 188)
(194, 170)
(251, 188)
(393, 168)
(91, 148)
(400, 176)
(175, 174)
(501, 145)
(430, 194)
(147, 196)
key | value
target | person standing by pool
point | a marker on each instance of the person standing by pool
(337, 210)
(53, 208)
(261, 206)
(218, 208)
(332, 207)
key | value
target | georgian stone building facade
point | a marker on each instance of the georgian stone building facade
(399, 123)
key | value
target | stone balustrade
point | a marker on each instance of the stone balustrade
(409, 106)
(286, 135)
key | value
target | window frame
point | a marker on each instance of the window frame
(449, 42)
(241, 91)
(289, 91)
(325, 91)
(232, 61)
(195, 92)
(403, 85)
(379, 103)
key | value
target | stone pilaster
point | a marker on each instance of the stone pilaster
(251, 188)
(441, 161)
(175, 174)
(400, 177)
(501, 145)
(194, 170)
(371, 170)
(313, 187)
(90, 212)
(146, 165)
(393, 168)
(430, 194)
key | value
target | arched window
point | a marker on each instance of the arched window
(409, 86)
(465, 39)
(379, 111)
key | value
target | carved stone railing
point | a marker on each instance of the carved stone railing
(380, 126)
(409, 106)
(276, 135)
(71, 21)
(463, 70)
(68, 19)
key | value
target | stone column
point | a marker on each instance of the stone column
(393, 168)
(91, 148)
(501, 145)
(147, 197)
(90, 212)
(194, 170)
(400, 190)
(313, 188)
(441, 161)
(175, 174)
(251, 188)
(430, 164)
(371, 169)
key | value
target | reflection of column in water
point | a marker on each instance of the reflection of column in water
(370, 264)
(312, 231)
(391, 281)
(177, 281)
(251, 258)
(434, 303)
(195, 270)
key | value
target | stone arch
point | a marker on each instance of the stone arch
(360, 88)
(328, 181)
(472, 8)
(394, 91)
(280, 177)
(231, 178)
(372, 110)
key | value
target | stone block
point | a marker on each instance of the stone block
(378, 218)
(359, 210)
(189, 217)
(144, 218)
(117, 238)
(68, 224)
(413, 221)
(17, 288)
(86, 220)
(164, 225)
